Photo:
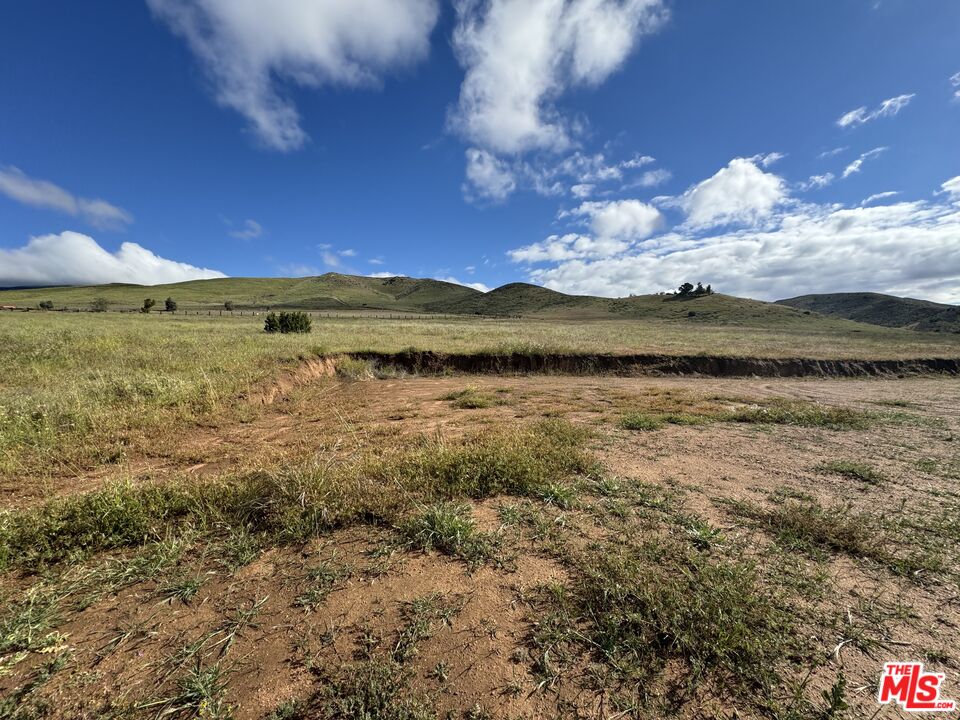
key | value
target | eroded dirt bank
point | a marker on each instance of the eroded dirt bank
(432, 363)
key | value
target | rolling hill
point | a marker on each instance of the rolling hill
(351, 293)
(331, 291)
(878, 309)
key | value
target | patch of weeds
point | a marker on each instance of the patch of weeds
(855, 470)
(701, 533)
(781, 411)
(563, 496)
(290, 710)
(240, 548)
(471, 398)
(894, 403)
(322, 578)
(375, 689)
(932, 466)
(905, 419)
(16, 704)
(640, 422)
(201, 694)
(810, 527)
(642, 608)
(183, 589)
(420, 618)
(27, 625)
(293, 504)
(352, 368)
(449, 529)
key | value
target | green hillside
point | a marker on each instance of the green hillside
(886, 310)
(336, 292)
(331, 291)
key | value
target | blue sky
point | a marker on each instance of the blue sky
(594, 146)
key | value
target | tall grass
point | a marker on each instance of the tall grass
(293, 504)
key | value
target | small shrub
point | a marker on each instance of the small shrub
(100, 304)
(170, 305)
(148, 305)
(45, 305)
(287, 322)
(228, 305)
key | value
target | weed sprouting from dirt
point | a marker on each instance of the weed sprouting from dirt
(450, 529)
(855, 470)
(641, 607)
(420, 618)
(472, 398)
(641, 421)
(674, 408)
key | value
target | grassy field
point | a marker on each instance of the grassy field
(76, 383)
(470, 547)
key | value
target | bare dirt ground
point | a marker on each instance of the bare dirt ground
(463, 635)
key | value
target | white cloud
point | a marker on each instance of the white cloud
(72, 258)
(908, 248)
(652, 178)
(857, 164)
(832, 153)
(622, 220)
(488, 176)
(495, 178)
(251, 229)
(247, 48)
(887, 108)
(557, 248)
(955, 81)
(519, 56)
(816, 182)
(376, 261)
(738, 193)
(349, 252)
(383, 275)
(768, 159)
(299, 270)
(952, 188)
(44, 194)
(330, 259)
(879, 196)
(476, 286)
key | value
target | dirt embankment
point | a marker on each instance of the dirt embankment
(431, 363)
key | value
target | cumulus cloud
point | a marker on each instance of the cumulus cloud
(857, 164)
(739, 193)
(492, 177)
(907, 248)
(888, 108)
(72, 258)
(247, 48)
(624, 220)
(519, 56)
(955, 81)
(488, 176)
(476, 286)
(44, 194)
(251, 229)
(557, 248)
(952, 188)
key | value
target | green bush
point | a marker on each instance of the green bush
(170, 305)
(45, 305)
(287, 322)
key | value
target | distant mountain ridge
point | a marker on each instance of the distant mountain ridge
(879, 309)
(347, 293)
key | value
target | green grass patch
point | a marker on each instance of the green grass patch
(295, 503)
(855, 470)
(644, 609)
(448, 528)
